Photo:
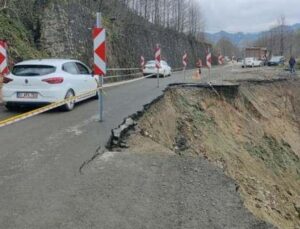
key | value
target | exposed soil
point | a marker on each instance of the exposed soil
(252, 132)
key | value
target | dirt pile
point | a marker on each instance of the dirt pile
(251, 131)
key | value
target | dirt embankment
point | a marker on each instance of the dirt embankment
(252, 132)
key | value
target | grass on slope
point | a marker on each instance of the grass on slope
(20, 41)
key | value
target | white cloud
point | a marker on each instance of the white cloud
(248, 15)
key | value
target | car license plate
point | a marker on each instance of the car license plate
(27, 95)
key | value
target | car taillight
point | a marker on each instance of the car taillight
(54, 80)
(6, 80)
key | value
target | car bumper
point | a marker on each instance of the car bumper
(154, 71)
(44, 96)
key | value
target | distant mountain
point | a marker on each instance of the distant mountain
(241, 39)
(236, 38)
(296, 26)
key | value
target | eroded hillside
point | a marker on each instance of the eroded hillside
(251, 131)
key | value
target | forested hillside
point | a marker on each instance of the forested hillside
(180, 15)
(55, 28)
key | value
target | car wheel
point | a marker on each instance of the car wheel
(71, 104)
(96, 96)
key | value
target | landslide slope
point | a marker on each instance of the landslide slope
(252, 132)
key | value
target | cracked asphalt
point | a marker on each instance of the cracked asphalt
(41, 186)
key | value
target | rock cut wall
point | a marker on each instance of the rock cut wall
(65, 31)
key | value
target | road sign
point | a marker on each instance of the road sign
(3, 58)
(157, 61)
(208, 59)
(99, 37)
(157, 56)
(199, 63)
(142, 62)
(184, 60)
(220, 59)
(99, 51)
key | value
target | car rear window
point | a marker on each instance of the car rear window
(150, 62)
(32, 70)
(276, 58)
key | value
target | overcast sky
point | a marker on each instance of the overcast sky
(247, 15)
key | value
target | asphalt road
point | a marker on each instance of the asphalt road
(41, 187)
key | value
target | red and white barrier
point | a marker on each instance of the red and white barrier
(184, 60)
(3, 58)
(208, 59)
(221, 59)
(157, 56)
(142, 62)
(99, 51)
(157, 61)
(199, 63)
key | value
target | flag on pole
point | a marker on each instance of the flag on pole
(208, 59)
(184, 60)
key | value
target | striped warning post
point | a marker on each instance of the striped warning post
(208, 59)
(184, 60)
(220, 59)
(157, 56)
(3, 58)
(99, 51)
(142, 62)
(199, 63)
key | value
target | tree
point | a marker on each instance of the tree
(281, 30)
(180, 15)
(227, 48)
(279, 40)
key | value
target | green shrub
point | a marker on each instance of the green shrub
(21, 45)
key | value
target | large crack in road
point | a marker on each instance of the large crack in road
(41, 186)
(249, 131)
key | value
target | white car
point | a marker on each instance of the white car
(47, 81)
(252, 62)
(150, 69)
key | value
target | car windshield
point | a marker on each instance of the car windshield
(32, 70)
